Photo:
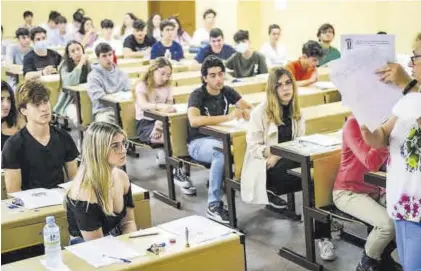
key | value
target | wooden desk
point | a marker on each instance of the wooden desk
(15, 71)
(22, 228)
(376, 178)
(221, 253)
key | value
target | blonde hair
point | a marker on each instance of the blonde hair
(417, 41)
(273, 109)
(95, 171)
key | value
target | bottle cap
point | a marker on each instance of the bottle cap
(50, 219)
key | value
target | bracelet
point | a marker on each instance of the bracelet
(409, 86)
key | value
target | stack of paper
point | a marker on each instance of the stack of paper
(322, 140)
(39, 197)
(180, 108)
(324, 85)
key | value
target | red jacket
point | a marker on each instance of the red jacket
(357, 158)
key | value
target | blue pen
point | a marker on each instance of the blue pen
(115, 258)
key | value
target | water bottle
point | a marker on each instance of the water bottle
(52, 242)
(167, 54)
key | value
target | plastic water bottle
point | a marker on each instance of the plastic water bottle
(52, 242)
(167, 54)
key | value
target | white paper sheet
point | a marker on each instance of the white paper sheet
(409, 107)
(324, 85)
(180, 108)
(352, 42)
(241, 123)
(39, 197)
(123, 95)
(322, 140)
(93, 251)
(370, 100)
(65, 185)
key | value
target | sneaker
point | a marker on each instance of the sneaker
(183, 181)
(275, 201)
(368, 264)
(160, 158)
(327, 250)
(218, 212)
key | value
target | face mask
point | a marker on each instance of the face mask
(242, 47)
(41, 45)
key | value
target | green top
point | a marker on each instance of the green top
(330, 53)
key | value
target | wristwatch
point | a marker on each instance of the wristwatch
(409, 86)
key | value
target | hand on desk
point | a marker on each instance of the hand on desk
(314, 77)
(49, 70)
(170, 109)
(236, 114)
(246, 114)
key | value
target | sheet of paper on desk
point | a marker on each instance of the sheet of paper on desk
(370, 100)
(92, 252)
(123, 95)
(320, 139)
(355, 42)
(324, 85)
(241, 123)
(65, 185)
(180, 108)
(39, 197)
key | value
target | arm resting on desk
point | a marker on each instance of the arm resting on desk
(197, 120)
(380, 137)
(128, 53)
(13, 180)
(33, 75)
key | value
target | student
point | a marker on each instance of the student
(403, 188)
(209, 105)
(35, 156)
(51, 25)
(107, 27)
(201, 35)
(28, 16)
(9, 114)
(180, 36)
(167, 47)
(246, 62)
(274, 52)
(87, 34)
(216, 47)
(154, 26)
(62, 35)
(304, 69)
(77, 22)
(40, 61)
(99, 201)
(366, 202)
(17, 52)
(126, 28)
(105, 78)
(138, 44)
(73, 71)
(326, 34)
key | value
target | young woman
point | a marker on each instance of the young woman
(180, 36)
(9, 115)
(77, 21)
(126, 28)
(100, 202)
(73, 71)
(264, 176)
(153, 25)
(87, 34)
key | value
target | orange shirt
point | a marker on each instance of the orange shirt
(298, 71)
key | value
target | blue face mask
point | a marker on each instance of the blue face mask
(41, 45)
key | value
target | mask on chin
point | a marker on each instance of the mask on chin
(242, 47)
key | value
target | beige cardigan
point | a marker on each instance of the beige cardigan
(260, 136)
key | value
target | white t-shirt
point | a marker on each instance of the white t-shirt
(274, 56)
(117, 45)
(201, 34)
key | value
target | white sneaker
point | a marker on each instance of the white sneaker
(327, 250)
(160, 158)
(184, 182)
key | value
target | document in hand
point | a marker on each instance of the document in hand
(370, 100)
(39, 197)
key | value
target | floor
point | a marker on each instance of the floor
(265, 230)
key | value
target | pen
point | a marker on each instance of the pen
(187, 237)
(116, 258)
(143, 234)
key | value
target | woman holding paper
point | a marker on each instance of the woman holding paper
(402, 134)
(99, 202)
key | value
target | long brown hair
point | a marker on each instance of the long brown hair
(123, 26)
(148, 80)
(273, 109)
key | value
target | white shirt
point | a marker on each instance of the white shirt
(51, 33)
(117, 45)
(200, 35)
(274, 56)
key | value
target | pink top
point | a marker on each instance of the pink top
(357, 158)
(90, 42)
(161, 95)
(184, 39)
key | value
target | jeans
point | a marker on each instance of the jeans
(76, 240)
(408, 240)
(202, 150)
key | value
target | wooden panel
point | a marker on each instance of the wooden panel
(86, 109)
(239, 150)
(325, 171)
(3, 187)
(128, 115)
(142, 213)
(178, 135)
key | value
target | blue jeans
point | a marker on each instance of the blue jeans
(202, 150)
(408, 240)
(76, 240)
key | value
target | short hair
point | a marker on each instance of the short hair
(31, 91)
(102, 48)
(79, 15)
(215, 33)
(53, 15)
(28, 13)
(273, 26)
(207, 12)
(60, 20)
(37, 30)
(107, 24)
(312, 49)
(211, 61)
(139, 24)
(325, 27)
(22, 31)
(12, 118)
(241, 35)
(166, 23)
(381, 33)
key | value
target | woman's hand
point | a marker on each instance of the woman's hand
(272, 160)
(395, 74)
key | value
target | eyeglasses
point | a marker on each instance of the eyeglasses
(287, 84)
(118, 146)
(413, 58)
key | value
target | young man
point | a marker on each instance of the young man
(166, 47)
(17, 52)
(27, 17)
(138, 44)
(40, 61)
(325, 34)
(62, 36)
(107, 27)
(36, 155)
(246, 62)
(274, 52)
(201, 35)
(51, 25)
(105, 78)
(216, 47)
(304, 69)
(209, 105)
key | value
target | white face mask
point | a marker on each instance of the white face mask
(242, 47)
(41, 45)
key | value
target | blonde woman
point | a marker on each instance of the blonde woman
(264, 176)
(99, 202)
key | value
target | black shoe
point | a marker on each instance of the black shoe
(275, 201)
(388, 264)
(217, 212)
(368, 264)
